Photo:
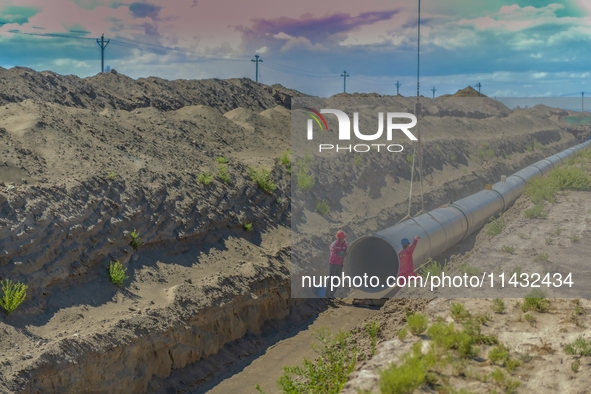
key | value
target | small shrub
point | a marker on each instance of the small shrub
(558, 231)
(111, 175)
(523, 236)
(205, 178)
(495, 226)
(285, 159)
(117, 273)
(469, 270)
(499, 354)
(498, 305)
(459, 312)
(410, 375)
(322, 207)
(357, 161)
(581, 347)
(13, 294)
(508, 249)
(431, 268)
(372, 329)
(535, 212)
(549, 241)
(575, 365)
(402, 334)
(135, 239)
(223, 174)
(263, 179)
(409, 158)
(221, 160)
(305, 180)
(453, 156)
(247, 226)
(530, 319)
(536, 144)
(338, 356)
(417, 323)
(541, 257)
(535, 301)
(574, 238)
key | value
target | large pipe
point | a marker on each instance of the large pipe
(377, 254)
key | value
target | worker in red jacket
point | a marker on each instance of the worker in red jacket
(338, 249)
(407, 266)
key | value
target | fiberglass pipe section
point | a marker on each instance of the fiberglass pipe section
(443, 227)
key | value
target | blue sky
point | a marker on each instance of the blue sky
(513, 48)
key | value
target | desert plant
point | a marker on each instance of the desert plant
(498, 305)
(431, 268)
(409, 158)
(223, 174)
(402, 334)
(373, 328)
(452, 156)
(574, 238)
(304, 179)
(135, 239)
(285, 159)
(322, 207)
(417, 323)
(247, 227)
(263, 179)
(469, 270)
(536, 144)
(221, 160)
(459, 312)
(357, 161)
(111, 175)
(536, 301)
(543, 256)
(13, 294)
(495, 226)
(549, 241)
(328, 374)
(205, 178)
(575, 365)
(523, 236)
(535, 212)
(117, 273)
(410, 374)
(508, 249)
(580, 347)
(531, 319)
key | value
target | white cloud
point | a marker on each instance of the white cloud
(262, 50)
(539, 75)
(282, 36)
(302, 43)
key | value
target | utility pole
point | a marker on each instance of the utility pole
(103, 44)
(433, 90)
(257, 61)
(418, 109)
(345, 75)
(397, 87)
(582, 94)
(478, 85)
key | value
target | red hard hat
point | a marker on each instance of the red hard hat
(341, 234)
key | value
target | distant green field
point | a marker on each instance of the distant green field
(578, 120)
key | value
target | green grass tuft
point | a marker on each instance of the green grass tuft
(117, 273)
(495, 226)
(581, 347)
(536, 301)
(223, 174)
(322, 207)
(135, 239)
(417, 323)
(221, 160)
(498, 305)
(263, 179)
(205, 178)
(13, 294)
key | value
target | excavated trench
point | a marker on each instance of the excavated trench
(190, 337)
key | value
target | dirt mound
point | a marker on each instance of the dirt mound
(468, 92)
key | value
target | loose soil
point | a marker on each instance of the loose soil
(86, 161)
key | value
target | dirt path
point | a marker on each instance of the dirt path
(266, 369)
